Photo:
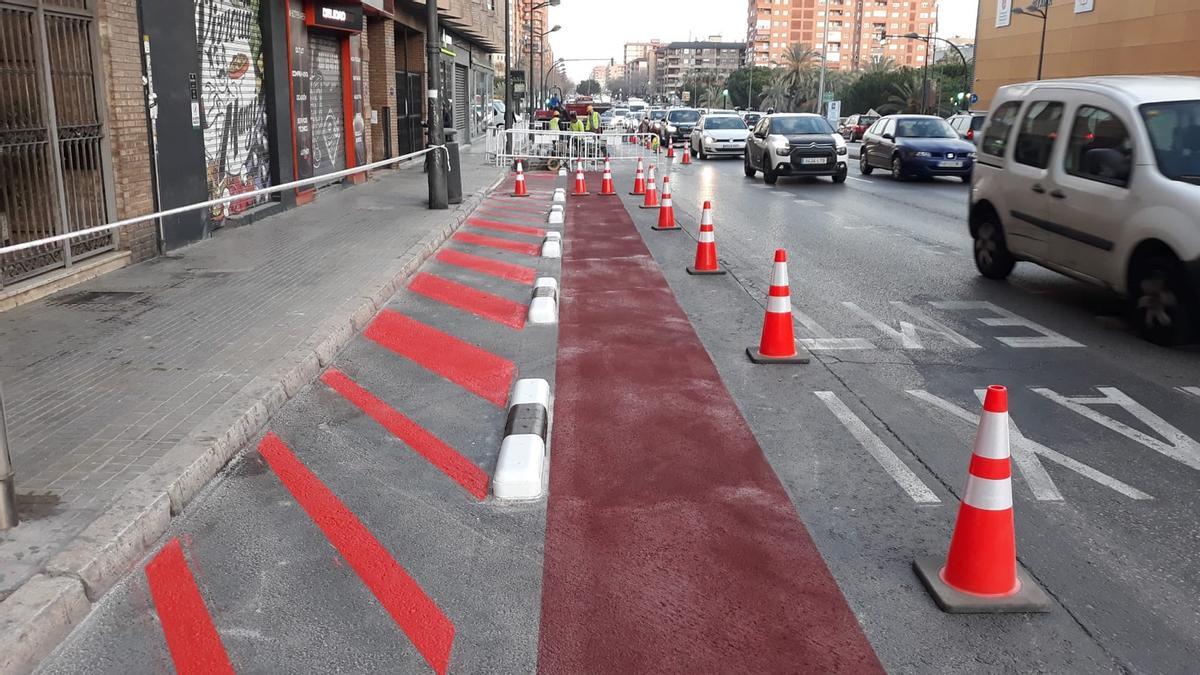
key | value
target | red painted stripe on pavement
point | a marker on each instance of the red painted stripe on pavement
(460, 469)
(495, 268)
(491, 307)
(507, 215)
(496, 242)
(472, 368)
(192, 639)
(416, 614)
(677, 548)
(506, 227)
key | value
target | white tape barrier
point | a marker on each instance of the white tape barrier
(521, 465)
(223, 200)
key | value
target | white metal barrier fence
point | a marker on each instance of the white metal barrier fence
(325, 178)
(550, 148)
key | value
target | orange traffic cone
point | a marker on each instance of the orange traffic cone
(580, 183)
(778, 343)
(606, 183)
(639, 180)
(651, 201)
(687, 155)
(666, 212)
(706, 246)
(671, 151)
(981, 572)
(519, 188)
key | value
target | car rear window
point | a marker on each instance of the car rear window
(977, 122)
(867, 120)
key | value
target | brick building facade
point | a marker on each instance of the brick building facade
(199, 100)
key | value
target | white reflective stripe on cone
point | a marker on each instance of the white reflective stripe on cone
(991, 441)
(707, 237)
(779, 304)
(779, 275)
(706, 218)
(666, 199)
(989, 494)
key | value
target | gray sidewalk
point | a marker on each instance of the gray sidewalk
(126, 393)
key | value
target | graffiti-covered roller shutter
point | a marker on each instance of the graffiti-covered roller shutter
(234, 110)
(328, 113)
(462, 100)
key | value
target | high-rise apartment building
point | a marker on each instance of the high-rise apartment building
(635, 51)
(848, 29)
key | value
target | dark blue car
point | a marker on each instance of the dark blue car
(916, 145)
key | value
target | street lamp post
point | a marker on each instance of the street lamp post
(509, 113)
(529, 88)
(1038, 10)
(927, 38)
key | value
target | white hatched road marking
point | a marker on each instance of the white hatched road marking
(907, 335)
(898, 470)
(1025, 453)
(1047, 338)
(1178, 445)
(1194, 391)
(823, 340)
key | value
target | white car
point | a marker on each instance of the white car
(719, 135)
(1097, 178)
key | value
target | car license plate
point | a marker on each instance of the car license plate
(812, 160)
(951, 165)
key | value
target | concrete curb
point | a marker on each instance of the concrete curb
(43, 610)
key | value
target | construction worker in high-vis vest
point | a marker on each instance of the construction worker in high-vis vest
(592, 123)
(554, 121)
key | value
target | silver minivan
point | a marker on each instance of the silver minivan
(1097, 178)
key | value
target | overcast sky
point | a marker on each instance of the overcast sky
(598, 29)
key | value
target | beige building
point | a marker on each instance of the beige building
(849, 29)
(1085, 37)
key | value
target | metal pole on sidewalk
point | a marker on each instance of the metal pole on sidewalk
(509, 113)
(8, 489)
(438, 197)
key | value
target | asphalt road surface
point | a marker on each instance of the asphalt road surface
(870, 443)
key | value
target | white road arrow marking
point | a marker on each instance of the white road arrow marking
(907, 335)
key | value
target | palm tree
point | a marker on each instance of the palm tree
(880, 64)
(907, 97)
(798, 65)
(710, 96)
(777, 94)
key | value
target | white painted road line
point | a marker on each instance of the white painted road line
(1178, 446)
(907, 335)
(904, 477)
(1048, 339)
(823, 340)
(1025, 453)
(1194, 391)
(857, 179)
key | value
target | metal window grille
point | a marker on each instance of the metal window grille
(52, 163)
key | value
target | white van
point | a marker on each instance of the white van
(1097, 178)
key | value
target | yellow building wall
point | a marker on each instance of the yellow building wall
(1119, 37)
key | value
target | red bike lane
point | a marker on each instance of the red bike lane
(671, 545)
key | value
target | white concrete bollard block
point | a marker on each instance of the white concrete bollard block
(519, 468)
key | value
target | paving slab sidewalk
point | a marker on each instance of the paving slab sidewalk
(127, 394)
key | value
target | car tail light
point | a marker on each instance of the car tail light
(970, 134)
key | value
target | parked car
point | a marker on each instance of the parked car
(719, 135)
(967, 124)
(618, 118)
(677, 126)
(916, 145)
(1097, 178)
(856, 126)
(795, 144)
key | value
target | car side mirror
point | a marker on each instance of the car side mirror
(889, 137)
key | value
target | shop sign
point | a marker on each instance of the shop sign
(336, 15)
